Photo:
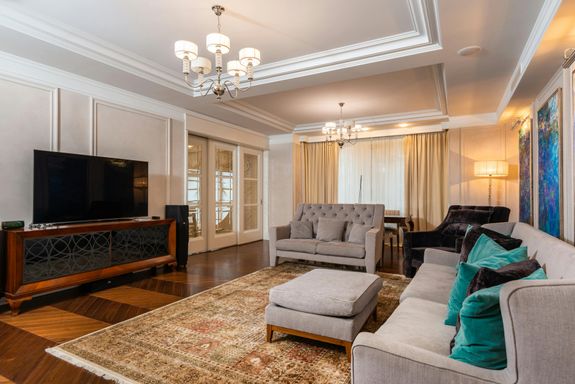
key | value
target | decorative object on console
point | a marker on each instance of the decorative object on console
(219, 45)
(491, 169)
(342, 132)
(525, 171)
(15, 224)
(549, 125)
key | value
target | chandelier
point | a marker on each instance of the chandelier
(342, 132)
(219, 45)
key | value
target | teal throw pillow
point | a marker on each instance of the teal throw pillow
(467, 272)
(484, 247)
(481, 340)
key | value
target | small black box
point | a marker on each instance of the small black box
(16, 224)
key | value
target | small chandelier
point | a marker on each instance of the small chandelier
(219, 45)
(342, 132)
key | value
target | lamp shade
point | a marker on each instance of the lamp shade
(185, 49)
(235, 68)
(201, 65)
(491, 168)
(218, 41)
(250, 56)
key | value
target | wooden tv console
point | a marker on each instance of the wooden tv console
(44, 260)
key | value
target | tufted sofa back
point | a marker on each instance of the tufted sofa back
(365, 214)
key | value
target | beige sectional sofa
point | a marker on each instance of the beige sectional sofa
(412, 346)
(338, 252)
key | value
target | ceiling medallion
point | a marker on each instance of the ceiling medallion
(342, 132)
(219, 45)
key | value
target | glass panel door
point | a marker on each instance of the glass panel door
(222, 189)
(197, 192)
(251, 195)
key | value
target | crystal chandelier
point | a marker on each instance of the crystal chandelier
(342, 132)
(219, 45)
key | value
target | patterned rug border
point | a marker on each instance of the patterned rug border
(116, 377)
(100, 371)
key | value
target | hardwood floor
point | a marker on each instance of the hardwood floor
(52, 319)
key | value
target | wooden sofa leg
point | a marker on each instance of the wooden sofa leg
(269, 333)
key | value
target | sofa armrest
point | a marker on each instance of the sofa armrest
(277, 233)
(437, 256)
(373, 248)
(376, 359)
(423, 239)
(539, 330)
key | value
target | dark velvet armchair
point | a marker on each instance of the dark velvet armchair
(448, 235)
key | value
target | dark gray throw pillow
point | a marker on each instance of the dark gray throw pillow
(357, 233)
(330, 229)
(473, 234)
(301, 230)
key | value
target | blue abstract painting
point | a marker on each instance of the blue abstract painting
(549, 122)
(525, 173)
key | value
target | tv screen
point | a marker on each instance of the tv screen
(70, 188)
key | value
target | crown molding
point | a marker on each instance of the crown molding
(246, 109)
(546, 15)
(383, 133)
(465, 121)
(427, 114)
(79, 42)
(423, 38)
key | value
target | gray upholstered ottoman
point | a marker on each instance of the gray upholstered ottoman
(326, 305)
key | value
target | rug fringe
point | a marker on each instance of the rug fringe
(88, 366)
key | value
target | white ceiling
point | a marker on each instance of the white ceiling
(390, 60)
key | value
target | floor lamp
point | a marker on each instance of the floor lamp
(491, 169)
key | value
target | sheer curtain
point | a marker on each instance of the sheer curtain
(380, 164)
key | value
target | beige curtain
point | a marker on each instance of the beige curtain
(320, 170)
(426, 178)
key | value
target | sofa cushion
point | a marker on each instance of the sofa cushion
(432, 282)
(481, 340)
(297, 245)
(328, 292)
(473, 235)
(357, 233)
(338, 248)
(330, 229)
(419, 323)
(301, 230)
(467, 272)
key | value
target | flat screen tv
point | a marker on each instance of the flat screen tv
(79, 188)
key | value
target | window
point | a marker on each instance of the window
(372, 172)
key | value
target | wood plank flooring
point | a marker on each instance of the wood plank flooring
(51, 319)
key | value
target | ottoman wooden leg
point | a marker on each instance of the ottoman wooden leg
(374, 314)
(269, 333)
(347, 346)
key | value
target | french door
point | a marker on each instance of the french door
(250, 187)
(224, 193)
(197, 193)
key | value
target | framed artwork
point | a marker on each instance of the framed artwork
(525, 172)
(549, 125)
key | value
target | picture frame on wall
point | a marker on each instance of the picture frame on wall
(549, 141)
(526, 171)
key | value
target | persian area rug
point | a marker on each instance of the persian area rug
(218, 336)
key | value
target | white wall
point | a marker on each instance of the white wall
(282, 152)
(48, 117)
(494, 142)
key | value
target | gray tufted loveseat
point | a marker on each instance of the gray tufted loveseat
(341, 252)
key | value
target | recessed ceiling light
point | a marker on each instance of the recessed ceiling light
(469, 51)
(403, 125)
